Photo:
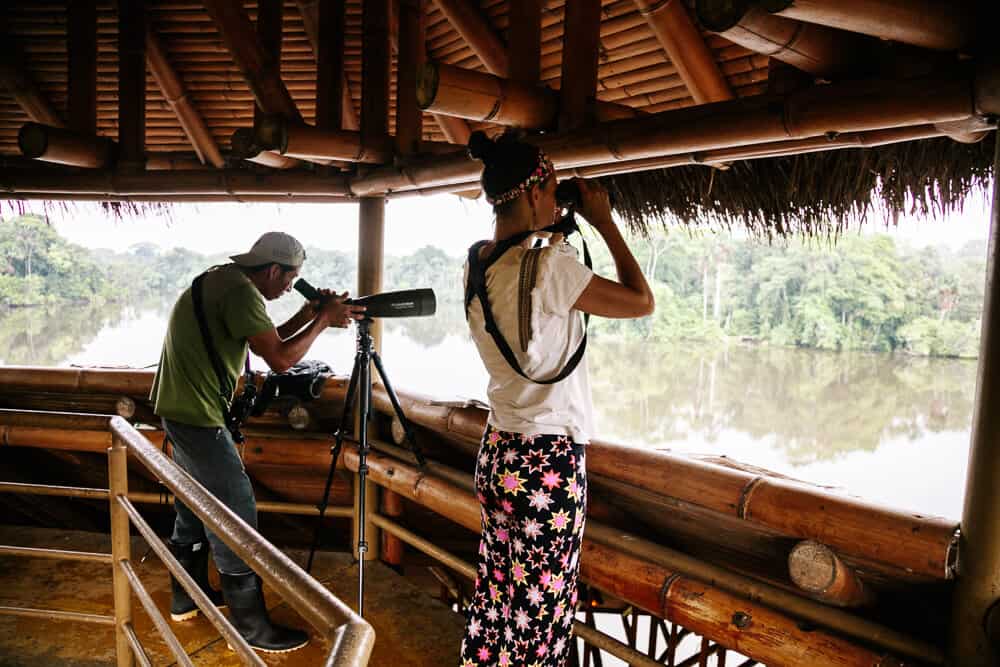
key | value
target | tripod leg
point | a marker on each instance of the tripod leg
(325, 500)
(407, 429)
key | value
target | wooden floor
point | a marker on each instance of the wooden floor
(411, 627)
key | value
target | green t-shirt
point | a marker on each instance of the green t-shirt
(186, 388)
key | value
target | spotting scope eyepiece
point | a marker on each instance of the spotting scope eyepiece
(404, 303)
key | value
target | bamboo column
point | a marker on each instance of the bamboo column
(81, 51)
(524, 43)
(173, 91)
(269, 35)
(978, 587)
(120, 550)
(687, 49)
(132, 84)
(312, 19)
(932, 24)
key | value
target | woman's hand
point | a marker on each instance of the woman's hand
(595, 206)
(338, 313)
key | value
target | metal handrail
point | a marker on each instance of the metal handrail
(351, 636)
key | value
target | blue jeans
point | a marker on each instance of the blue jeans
(209, 455)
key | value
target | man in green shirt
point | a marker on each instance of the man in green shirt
(187, 397)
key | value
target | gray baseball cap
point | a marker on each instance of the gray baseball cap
(276, 247)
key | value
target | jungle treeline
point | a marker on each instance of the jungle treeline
(860, 292)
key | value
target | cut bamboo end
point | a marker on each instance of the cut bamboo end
(816, 569)
(62, 146)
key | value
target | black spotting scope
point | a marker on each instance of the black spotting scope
(404, 303)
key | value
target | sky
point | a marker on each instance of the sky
(445, 221)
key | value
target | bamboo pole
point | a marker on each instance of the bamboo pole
(976, 592)
(166, 184)
(269, 35)
(929, 24)
(81, 51)
(61, 146)
(816, 569)
(173, 91)
(480, 96)
(478, 34)
(412, 52)
(578, 81)
(330, 81)
(27, 95)
(375, 64)
(686, 48)
(809, 47)
(259, 69)
(298, 140)
(132, 84)
(814, 112)
(310, 10)
(525, 40)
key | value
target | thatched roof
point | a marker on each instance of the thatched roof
(208, 63)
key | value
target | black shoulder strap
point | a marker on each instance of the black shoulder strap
(476, 287)
(213, 354)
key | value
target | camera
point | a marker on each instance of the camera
(240, 409)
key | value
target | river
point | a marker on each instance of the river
(891, 429)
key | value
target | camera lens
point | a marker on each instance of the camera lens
(568, 194)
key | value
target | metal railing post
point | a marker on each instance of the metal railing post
(120, 549)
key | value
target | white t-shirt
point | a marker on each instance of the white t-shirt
(517, 404)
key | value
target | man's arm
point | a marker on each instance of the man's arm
(295, 323)
(281, 353)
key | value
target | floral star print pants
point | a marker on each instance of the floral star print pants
(533, 495)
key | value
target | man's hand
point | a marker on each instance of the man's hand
(338, 313)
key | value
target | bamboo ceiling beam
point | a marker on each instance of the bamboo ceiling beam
(450, 90)
(259, 69)
(62, 146)
(686, 49)
(310, 10)
(931, 24)
(81, 51)
(578, 80)
(477, 32)
(26, 93)
(132, 83)
(811, 48)
(269, 34)
(524, 43)
(813, 112)
(330, 82)
(176, 96)
(412, 53)
(307, 142)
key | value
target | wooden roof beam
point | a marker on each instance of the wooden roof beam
(26, 93)
(173, 91)
(686, 49)
(931, 24)
(412, 50)
(524, 48)
(477, 32)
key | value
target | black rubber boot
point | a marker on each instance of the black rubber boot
(249, 616)
(194, 559)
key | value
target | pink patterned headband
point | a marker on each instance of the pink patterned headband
(541, 172)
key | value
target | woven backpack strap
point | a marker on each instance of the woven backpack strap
(525, 284)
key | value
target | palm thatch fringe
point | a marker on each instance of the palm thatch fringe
(815, 194)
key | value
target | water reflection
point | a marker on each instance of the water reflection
(890, 429)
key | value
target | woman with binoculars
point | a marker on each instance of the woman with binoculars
(522, 306)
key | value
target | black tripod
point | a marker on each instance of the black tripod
(361, 375)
